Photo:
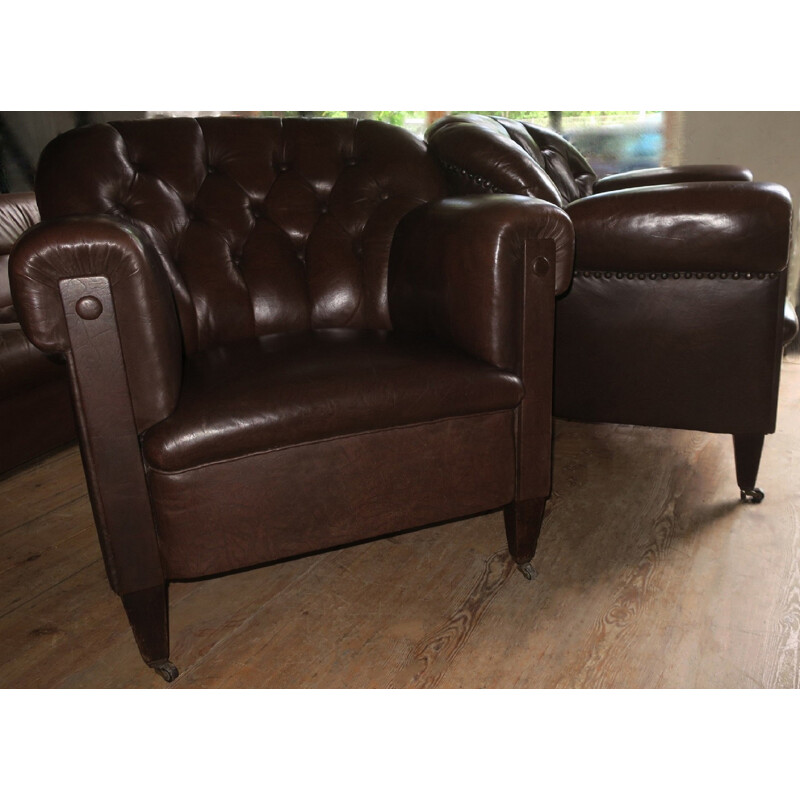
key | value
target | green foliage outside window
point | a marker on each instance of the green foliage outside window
(404, 117)
(393, 117)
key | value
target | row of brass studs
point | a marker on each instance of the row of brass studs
(677, 275)
(485, 182)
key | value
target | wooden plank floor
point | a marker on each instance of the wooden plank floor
(652, 575)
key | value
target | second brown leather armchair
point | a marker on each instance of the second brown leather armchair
(35, 407)
(677, 314)
(282, 337)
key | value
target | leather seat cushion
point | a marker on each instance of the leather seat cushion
(287, 389)
(22, 366)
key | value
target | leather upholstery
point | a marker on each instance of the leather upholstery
(96, 245)
(454, 295)
(220, 198)
(18, 212)
(284, 336)
(677, 313)
(677, 352)
(35, 407)
(790, 322)
(493, 154)
(22, 366)
(290, 388)
(725, 227)
(331, 492)
(660, 176)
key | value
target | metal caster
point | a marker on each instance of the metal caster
(752, 495)
(166, 669)
(527, 570)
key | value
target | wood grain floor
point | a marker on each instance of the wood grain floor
(651, 575)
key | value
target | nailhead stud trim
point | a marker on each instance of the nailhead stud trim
(677, 275)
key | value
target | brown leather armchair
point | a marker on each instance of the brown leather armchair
(35, 407)
(677, 315)
(283, 337)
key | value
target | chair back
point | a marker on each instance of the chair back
(509, 156)
(262, 225)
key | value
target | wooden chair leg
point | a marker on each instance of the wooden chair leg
(747, 452)
(147, 614)
(523, 524)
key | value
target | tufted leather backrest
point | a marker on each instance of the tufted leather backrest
(262, 225)
(509, 156)
(567, 168)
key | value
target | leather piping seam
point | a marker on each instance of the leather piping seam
(312, 442)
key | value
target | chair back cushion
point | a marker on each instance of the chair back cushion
(262, 225)
(495, 154)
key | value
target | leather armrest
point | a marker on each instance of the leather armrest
(665, 175)
(790, 323)
(460, 268)
(92, 249)
(729, 227)
(18, 212)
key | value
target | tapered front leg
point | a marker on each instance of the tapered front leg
(147, 614)
(523, 524)
(747, 452)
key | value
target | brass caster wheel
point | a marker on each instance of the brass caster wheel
(166, 669)
(527, 570)
(752, 495)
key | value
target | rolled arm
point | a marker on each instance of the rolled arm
(790, 322)
(92, 249)
(460, 268)
(665, 175)
(726, 227)
(18, 212)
